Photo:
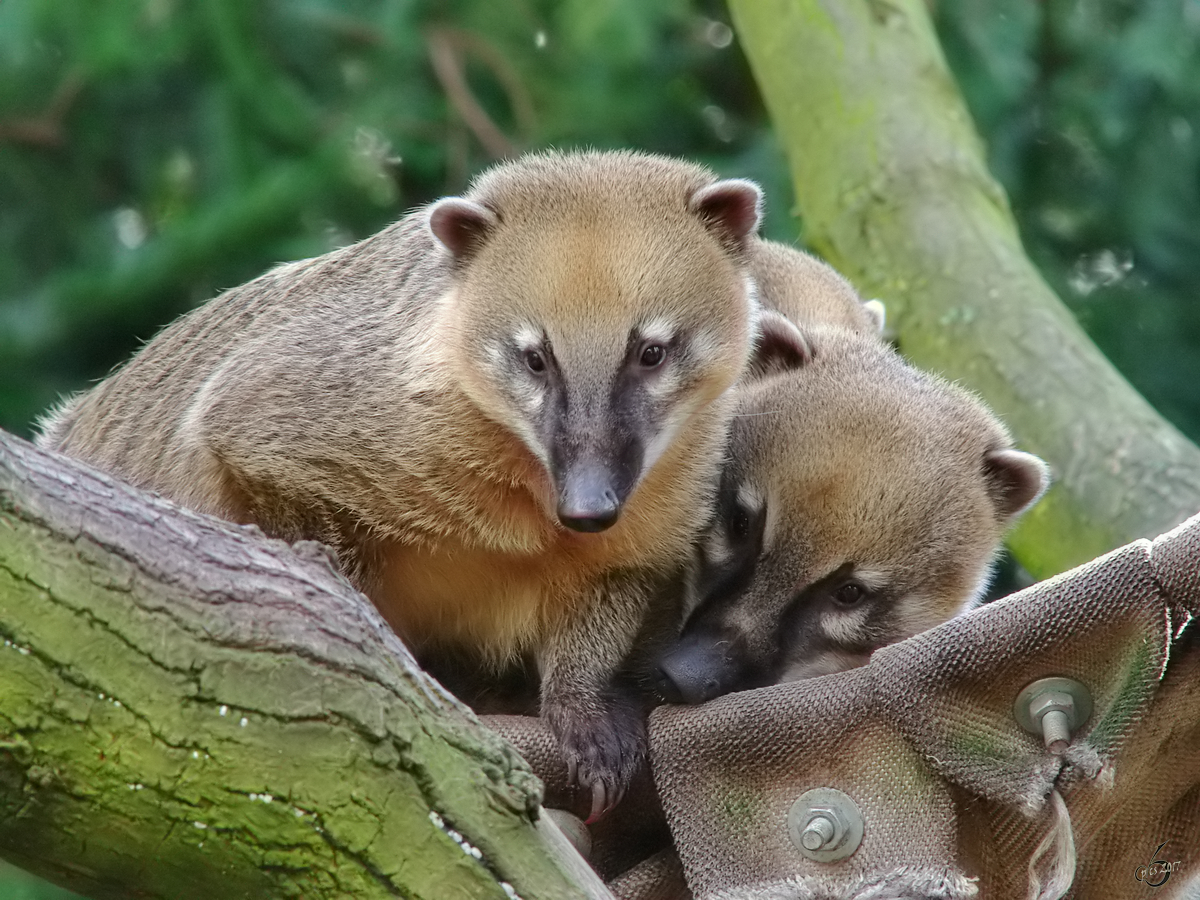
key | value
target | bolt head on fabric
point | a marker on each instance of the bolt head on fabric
(1053, 708)
(825, 824)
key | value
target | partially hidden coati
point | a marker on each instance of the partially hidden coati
(505, 412)
(862, 501)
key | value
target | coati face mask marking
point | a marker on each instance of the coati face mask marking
(603, 336)
(597, 444)
(751, 627)
(861, 503)
(837, 623)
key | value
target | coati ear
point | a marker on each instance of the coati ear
(878, 313)
(1015, 480)
(779, 346)
(461, 225)
(731, 208)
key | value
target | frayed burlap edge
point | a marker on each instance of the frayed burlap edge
(901, 884)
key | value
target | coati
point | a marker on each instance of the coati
(505, 412)
(862, 501)
(809, 292)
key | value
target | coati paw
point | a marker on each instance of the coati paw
(603, 750)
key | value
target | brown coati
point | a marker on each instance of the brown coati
(810, 292)
(505, 412)
(862, 501)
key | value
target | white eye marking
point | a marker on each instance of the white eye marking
(529, 337)
(666, 435)
(872, 579)
(657, 331)
(528, 394)
(533, 397)
(716, 548)
(530, 440)
(653, 354)
(845, 626)
(750, 498)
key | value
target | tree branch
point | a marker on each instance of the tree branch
(892, 183)
(188, 709)
(444, 46)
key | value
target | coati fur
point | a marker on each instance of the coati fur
(862, 501)
(811, 293)
(505, 412)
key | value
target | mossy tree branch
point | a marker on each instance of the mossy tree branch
(190, 710)
(893, 187)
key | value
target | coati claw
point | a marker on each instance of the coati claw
(600, 805)
(602, 752)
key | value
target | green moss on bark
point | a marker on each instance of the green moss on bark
(190, 711)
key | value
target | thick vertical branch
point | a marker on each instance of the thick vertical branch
(190, 710)
(891, 180)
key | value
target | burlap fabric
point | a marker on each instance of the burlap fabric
(957, 800)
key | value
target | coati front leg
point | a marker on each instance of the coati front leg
(598, 717)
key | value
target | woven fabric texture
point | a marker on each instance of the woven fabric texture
(957, 800)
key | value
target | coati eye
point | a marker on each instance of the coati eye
(849, 594)
(535, 361)
(653, 355)
(739, 525)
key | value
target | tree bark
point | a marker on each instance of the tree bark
(893, 188)
(191, 710)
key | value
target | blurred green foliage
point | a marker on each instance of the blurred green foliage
(1091, 113)
(154, 152)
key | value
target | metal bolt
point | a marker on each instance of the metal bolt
(825, 825)
(819, 832)
(1053, 708)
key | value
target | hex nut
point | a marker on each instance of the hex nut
(1053, 708)
(828, 819)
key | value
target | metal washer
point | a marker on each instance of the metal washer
(848, 822)
(1078, 691)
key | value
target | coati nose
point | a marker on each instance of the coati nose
(596, 517)
(694, 672)
(587, 501)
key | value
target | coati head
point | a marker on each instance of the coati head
(810, 292)
(862, 502)
(600, 302)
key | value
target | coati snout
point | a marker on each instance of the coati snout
(862, 501)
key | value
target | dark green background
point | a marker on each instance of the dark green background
(155, 152)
